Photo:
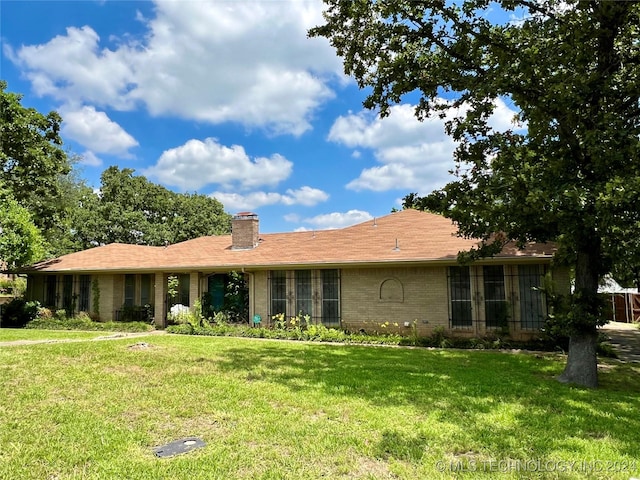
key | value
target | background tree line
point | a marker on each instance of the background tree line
(47, 210)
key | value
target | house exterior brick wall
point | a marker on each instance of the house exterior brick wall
(408, 300)
(114, 288)
(159, 286)
(423, 299)
(194, 289)
(259, 289)
(35, 288)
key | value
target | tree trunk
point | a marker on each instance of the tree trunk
(582, 362)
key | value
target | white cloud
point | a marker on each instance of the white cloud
(73, 69)
(95, 131)
(305, 196)
(90, 159)
(248, 62)
(198, 163)
(292, 217)
(413, 155)
(338, 219)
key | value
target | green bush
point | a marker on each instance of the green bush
(44, 313)
(15, 287)
(82, 321)
(18, 312)
(315, 333)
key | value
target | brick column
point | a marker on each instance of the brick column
(194, 288)
(159, 299)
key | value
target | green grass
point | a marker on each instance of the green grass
(14, 334)
(272, 410)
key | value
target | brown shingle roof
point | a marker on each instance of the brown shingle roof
(419, 237)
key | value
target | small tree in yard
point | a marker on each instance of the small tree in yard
(570, 175)
(21, 242)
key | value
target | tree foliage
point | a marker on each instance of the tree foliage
(21, 243)
(130, 209)
(569, 173)
(32, 159)
(49, 211)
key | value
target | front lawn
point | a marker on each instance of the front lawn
(15, 334)
(272, 409)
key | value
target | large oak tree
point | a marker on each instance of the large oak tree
(32, 159)
(571, 175)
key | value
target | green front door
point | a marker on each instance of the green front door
(217, 284)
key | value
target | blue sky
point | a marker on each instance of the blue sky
(227, 98)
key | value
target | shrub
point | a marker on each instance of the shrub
(310, 332)
(44, 313)
(18, 312)
(6, 286)
(220, 319)
(439, 338)
(83, 316)
(16, 287)
(82, 321)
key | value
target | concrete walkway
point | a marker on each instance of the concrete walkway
(110, 336)
(625, 339)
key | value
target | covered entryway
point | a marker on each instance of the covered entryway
(227, 293)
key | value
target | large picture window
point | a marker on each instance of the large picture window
(51, 294)
(330, 298)
(460, 293)
(67, 294)
(83, 296)
(315, 293)
(304, 302)
(496, 296)
(129, 290)
(532, 311)
(278, 292)
(145, 290)
(496, 309)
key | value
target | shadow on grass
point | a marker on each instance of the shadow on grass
(462, 388)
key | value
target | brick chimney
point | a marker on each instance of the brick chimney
(244, 231)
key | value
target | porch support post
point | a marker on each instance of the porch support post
(159, 299)
(194, 288)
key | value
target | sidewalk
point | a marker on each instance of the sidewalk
(625, 339)
(109, 336)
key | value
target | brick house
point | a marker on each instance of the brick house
(400, 268)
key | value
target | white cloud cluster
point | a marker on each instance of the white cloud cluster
(306, 196)
(96, 131)
(338, 219)
(413, 155)
(247, 62)
(198, 163)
